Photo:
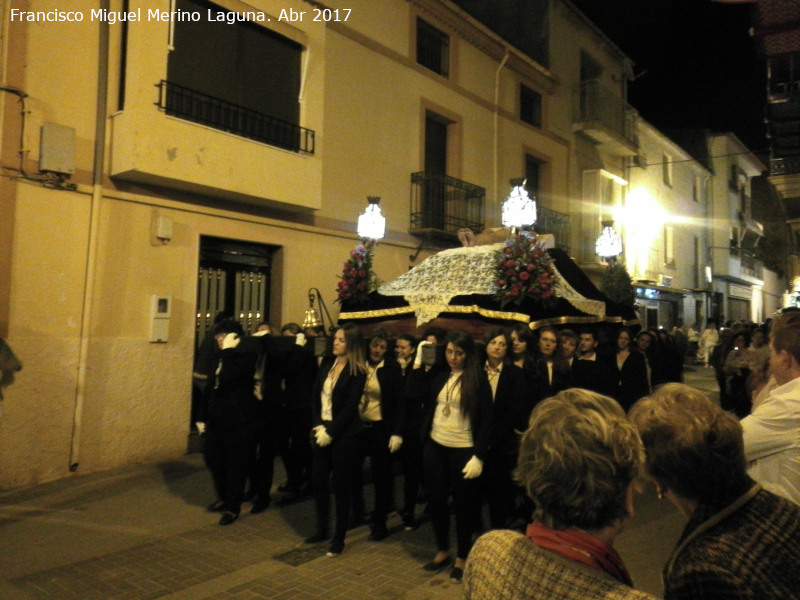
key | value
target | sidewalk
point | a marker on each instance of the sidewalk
(142, 533)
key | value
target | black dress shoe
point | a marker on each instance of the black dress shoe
(335, 549)
(318, 537)
(438, 566)
(456, 574)
(216, 506)
(228, 517)
(259, 506)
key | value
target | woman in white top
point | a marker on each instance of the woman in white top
(336, 433)
(708, 340)
(456, 436)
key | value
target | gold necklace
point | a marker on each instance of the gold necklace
(448, 394)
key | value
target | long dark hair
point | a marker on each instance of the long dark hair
(472, 376)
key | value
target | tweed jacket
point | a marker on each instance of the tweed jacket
(753, 553)
(505, 565)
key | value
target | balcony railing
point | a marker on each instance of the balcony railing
(784, 166)
(441, 205)
(550, 221)
(187, 104)
(751, 266)
(606, 117)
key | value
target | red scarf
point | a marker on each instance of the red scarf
(580, 547)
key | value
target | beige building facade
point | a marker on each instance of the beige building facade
(126, 173)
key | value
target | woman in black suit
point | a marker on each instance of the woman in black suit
(381, 411)
(337, 430)
(456, 439)
(554, 372)
(631, 376)
(509, 391)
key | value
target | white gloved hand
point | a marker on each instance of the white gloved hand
(201, 427)
(418, 356)
(473, 468)
(231, 341)
(394, 443)
(322, 437)
(261, 333)
(300, 339)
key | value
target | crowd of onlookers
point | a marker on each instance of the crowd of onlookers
(548, 428)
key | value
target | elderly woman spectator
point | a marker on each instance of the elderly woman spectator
(741, 541)
(578, 461)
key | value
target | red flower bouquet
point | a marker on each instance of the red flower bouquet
(524, 269)
(357, 279)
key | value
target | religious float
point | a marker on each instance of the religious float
(522, 280)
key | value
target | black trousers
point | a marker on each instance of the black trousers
(297, 455)
(228, 452)
(443, 478)
(411, 462)
(339, 463)
(375, 444)
(498, 483)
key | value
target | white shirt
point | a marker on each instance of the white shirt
(772, 441)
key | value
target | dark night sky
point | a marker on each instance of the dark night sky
(702, 68)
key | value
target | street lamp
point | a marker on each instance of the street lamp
(519, 209)
(372, 224)
(609, 244)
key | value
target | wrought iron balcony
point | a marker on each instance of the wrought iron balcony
(441, 205)
(187, 104)
(556, 223)
(784, 166)
(606, 118)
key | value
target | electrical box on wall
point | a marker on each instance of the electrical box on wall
(160, 311)
(57, 150)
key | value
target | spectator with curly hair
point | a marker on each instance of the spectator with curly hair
(578, 461)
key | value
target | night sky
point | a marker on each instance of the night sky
(702, 68)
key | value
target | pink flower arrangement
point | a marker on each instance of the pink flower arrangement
(357, 278)
(524, 269)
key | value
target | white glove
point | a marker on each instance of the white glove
(322, 437)
(473, 468)
(261, 333)
(394, 443)
(231, 341)
(418, 357)
(300, 339)
(201, 427)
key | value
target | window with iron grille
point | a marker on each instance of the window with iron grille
(433, 48)
(530, 106)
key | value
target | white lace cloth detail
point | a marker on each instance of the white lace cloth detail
(429, 287)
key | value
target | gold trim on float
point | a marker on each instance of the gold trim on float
(371, 314)
(490, 314)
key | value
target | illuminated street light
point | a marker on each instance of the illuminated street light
(519, 209)
(609, 244)
(372, 224)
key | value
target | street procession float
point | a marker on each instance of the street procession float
(484, 284)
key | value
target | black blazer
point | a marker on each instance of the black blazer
(344, 401)
(511, 407)
(480, 422)
(561, 381)
(230, 401)
(594, 375)
(392, 383)
(631, 380)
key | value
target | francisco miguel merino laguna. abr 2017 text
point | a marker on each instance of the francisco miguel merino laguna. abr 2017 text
(111, 17)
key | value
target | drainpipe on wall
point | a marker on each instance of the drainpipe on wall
(497, 117)
(94, 224)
